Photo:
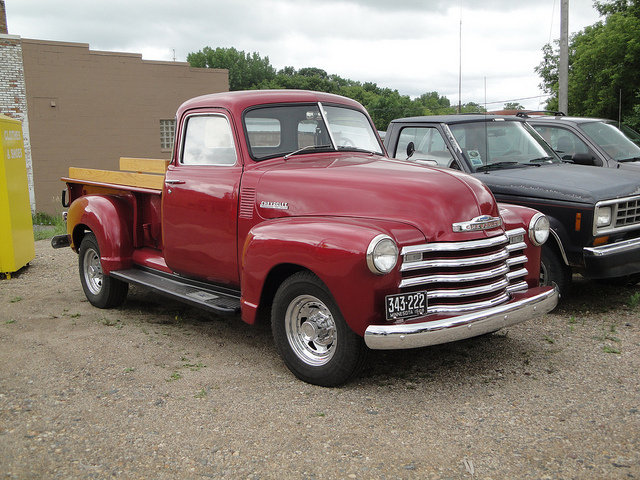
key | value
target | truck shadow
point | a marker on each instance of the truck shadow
(481, 360)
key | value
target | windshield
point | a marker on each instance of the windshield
(614, 142)
(501, 144)
(274, 131)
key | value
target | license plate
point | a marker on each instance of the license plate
(406, 305)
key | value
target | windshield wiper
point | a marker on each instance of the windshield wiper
(632, 159)
(496, 166)
(308, 147)
(357, 149)
(541, 160)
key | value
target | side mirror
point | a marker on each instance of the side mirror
(411, 149)
(583, 159)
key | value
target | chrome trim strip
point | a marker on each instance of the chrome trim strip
(517, 287)
(535, 302)
(516, 246)
(456, 262)
(613, 248)
(521, 272)
(469, 307)
(456, 246)
(516, 231)
(461, 277)
(511, 261)
(560, 246)
(482, 289)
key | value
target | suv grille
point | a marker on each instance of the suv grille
(625, 213)
(628, 213)
(466, 276)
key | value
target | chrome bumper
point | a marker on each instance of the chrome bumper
(523, 306)
(612, 260)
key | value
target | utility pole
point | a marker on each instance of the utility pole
(563, 67)
(460, 65)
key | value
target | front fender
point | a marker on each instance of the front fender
(335, 251)
(110, 218)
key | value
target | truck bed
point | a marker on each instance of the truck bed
(135, 173)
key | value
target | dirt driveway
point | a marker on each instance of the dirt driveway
(157, 390)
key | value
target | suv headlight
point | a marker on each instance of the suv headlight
(382, 254)
(538, 229)
(603, 216)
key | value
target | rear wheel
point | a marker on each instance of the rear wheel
(101, 290)
(553, 270)
(311, 335)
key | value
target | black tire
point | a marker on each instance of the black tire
(101, 290)
(311, 335)
(553, 270)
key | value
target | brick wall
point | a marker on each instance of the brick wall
(3, 19)
(13, 93)
(89, 108)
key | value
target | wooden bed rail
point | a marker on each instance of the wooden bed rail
(134, 172)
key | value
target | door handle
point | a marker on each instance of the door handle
(173, 182)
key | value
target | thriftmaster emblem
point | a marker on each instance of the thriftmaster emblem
(275, 205)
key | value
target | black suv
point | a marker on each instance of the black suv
(594, 212)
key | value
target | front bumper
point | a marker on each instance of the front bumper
(525, 305)
(613, 260)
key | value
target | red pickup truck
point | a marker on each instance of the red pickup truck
(283, 204)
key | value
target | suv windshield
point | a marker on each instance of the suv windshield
(615, 143)
(501, 144)
(274, 131)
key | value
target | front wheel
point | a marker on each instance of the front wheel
(101, 290)
(553, 270)
(311, 335)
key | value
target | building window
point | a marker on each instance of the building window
(167, 133)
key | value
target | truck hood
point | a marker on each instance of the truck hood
(563, 182)
(375, 188)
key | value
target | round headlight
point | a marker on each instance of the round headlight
(538, 229)
(382, 255)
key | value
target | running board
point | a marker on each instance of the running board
(199, 294)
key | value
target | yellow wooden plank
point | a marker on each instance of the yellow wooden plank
(142, 180)
(148, 165)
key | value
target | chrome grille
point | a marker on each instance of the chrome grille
(628, 213)
(466, 276)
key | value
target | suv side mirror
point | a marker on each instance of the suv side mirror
(411, 149)
(583, 159)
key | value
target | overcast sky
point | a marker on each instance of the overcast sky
(412, 46)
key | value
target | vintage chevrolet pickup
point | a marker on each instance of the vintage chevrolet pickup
(283, 203)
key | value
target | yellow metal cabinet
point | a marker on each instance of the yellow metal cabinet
(17, 247)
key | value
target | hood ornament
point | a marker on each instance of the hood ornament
(483, 222)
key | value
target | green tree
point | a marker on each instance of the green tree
(245, 70)
(513, 106)
(472, 107)
(604, 65)
(383, 104)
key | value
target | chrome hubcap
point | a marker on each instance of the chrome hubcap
(311, 330)
(92, 271)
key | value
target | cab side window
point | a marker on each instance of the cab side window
(564, 142)
(208, 140)
(430, 146)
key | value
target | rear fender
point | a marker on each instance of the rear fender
(334, 250)
(110, 218)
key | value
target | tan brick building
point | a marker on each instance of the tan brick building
(88, 108)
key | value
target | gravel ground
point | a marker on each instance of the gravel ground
(160, 391)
